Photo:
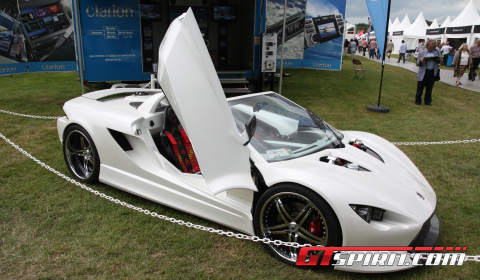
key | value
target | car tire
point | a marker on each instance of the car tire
(287, 212)
(81, 155)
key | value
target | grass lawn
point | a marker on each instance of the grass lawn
(52, 229)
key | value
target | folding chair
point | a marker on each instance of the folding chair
(358, 67)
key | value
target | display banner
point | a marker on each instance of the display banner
(378, 10)
(324, 26)
(112, 47)
(459, 30)
(13, 56)
(294, 29)
(48, 29)
(436, 31)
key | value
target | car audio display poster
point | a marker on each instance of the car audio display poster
(294, 26)
(324, 27)
(47, 27)
(112, 46)
(12, 40)
(313, 32)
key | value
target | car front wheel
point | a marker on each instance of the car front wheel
(293, 213)
(81, 155)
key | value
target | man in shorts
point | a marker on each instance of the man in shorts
(390, 48)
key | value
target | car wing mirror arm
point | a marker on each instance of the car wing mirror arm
(250, 127)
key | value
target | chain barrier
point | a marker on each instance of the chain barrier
(436, 143)
(172, 220)
(29, 116)
(153, 214)
(394, 143)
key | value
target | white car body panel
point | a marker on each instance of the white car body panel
(224, 192)
(190, 82)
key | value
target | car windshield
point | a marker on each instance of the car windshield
(284, 130)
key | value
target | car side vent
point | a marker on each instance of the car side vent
(121, 140)
(136, 104)
(359, 145)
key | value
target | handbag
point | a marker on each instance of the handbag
(437, 78)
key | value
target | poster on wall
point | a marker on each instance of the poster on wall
(294, 29)
(112, 45)
(324, 26)
(12, 40)
(47, 26)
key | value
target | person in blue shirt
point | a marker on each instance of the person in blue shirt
(428, 61)
(402, 51)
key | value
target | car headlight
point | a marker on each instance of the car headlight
(368, 213)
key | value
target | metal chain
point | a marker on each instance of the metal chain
(29, 116)
(153, 214)
(436, 143)
(472, 258)
(395, 143)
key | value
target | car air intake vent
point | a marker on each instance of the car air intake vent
(136, 104)
(342, 162)
(121, 140)
(359, 144)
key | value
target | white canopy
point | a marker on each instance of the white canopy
(434, 24)
(415, 32)
(446, 22)
(397, 39)
(467, 17)
(393, 26)
(440, 35)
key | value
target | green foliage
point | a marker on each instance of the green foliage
(52, 229)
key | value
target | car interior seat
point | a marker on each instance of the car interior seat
(178, 148)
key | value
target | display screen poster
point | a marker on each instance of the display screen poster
(324, 27)
(294, 27)
(47, 27)
(112, 46)
(13, 58)
(313, 32)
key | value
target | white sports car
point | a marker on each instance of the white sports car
(258, 163)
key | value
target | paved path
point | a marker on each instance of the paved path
(446, 76)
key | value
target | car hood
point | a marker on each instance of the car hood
(189, 80)
(395, 185)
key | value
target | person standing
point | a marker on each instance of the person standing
(353, 48)
(364, 45)
(446, 50)
(390, 47)
(461, 61)
(345, 47)
(475, 53)
(402, 51)
(421, 46)
(428, 61)
(359, 46)
(372, 48)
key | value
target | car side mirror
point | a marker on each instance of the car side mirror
(250, 127)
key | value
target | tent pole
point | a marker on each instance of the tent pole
(283, 46)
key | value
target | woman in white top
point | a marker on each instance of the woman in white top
(461, 61)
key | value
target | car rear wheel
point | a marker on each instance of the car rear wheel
(81, 155)
(293, 213)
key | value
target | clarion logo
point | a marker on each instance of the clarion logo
(110, 12)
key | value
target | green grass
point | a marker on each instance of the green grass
(51, 229)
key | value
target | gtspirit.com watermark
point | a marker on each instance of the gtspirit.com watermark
(382, 256)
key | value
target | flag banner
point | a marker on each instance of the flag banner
(378, 10)
(13, 58)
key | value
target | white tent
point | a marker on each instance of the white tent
(393, 26)
(462, 25)
(436, 32)
(476, 31)
(434, 24)
(415, 32)
(397, 33)
(348, 35)
(446, 22)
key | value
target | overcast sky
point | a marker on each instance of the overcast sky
(357, 11)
